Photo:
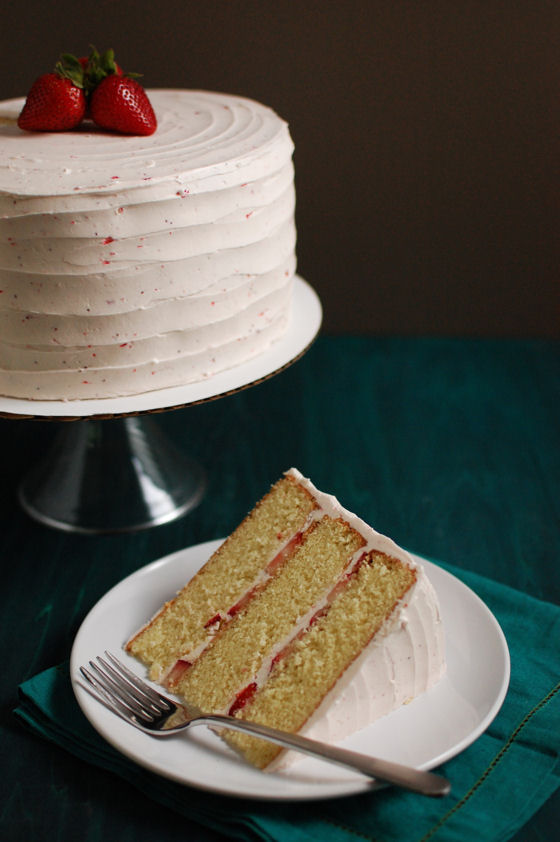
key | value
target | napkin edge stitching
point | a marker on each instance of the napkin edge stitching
(507, 745)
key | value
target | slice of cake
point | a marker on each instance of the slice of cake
(305, 619)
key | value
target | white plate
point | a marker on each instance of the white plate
(425, 733)
(304, 325)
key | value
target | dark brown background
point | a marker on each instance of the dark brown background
(426, 138)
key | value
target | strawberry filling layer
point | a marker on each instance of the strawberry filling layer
(243, 697)
(177, 672)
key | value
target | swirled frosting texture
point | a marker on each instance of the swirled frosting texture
(129, 264)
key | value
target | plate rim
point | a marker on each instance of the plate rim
(326, 789)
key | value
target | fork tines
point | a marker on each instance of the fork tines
(124, 691)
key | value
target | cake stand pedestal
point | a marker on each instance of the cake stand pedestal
(111, 476)
(118, 472)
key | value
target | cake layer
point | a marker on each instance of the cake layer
(40, 253)
(182, 242)
(24, 220)
(123, 290)
(53, 333)
(153, 374)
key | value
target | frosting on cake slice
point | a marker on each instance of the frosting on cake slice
(305, 619)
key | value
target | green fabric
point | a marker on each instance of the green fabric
(498, 783)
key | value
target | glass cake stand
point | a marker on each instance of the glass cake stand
(119, 472)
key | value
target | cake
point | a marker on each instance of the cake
(305, 618)
(130, 264)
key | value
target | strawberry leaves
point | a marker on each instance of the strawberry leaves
(70, 67)
(97, 66)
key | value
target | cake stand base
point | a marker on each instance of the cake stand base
(116, 475)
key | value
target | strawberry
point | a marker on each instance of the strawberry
(56, 101)
(120, 103)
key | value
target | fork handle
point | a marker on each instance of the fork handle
(426, 783)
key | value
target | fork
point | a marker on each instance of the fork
(113, 684)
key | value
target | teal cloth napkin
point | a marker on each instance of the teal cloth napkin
(498, 783)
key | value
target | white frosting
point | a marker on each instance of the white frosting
(404, 659)
(136, 263)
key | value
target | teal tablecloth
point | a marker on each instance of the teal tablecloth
(449, 446)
